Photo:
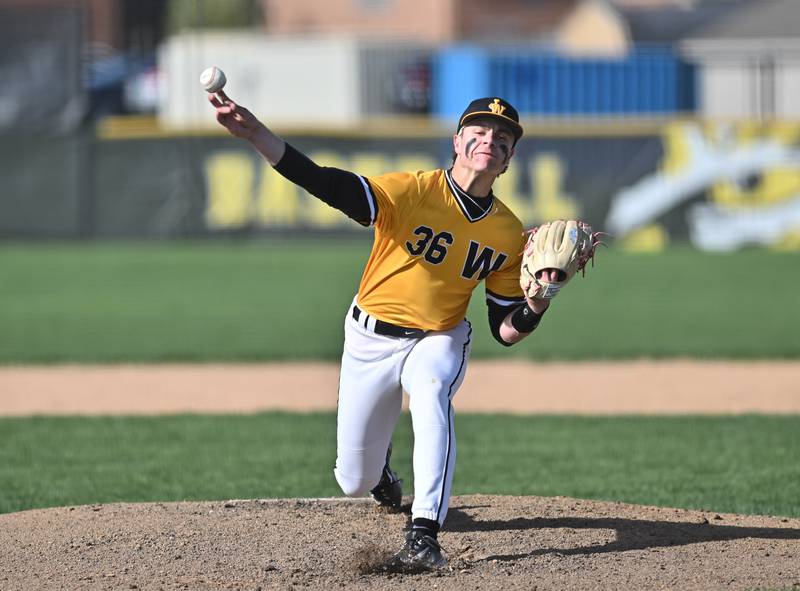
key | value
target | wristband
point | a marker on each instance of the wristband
(525, 320)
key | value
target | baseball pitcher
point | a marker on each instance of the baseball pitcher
(437, 235)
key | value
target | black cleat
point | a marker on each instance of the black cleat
(389, 491)
(421, 552)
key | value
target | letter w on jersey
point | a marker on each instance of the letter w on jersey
(483, 261)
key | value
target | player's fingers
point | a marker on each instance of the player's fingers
(549, 274)
(222, 109)
(226, 99)
(214, 100)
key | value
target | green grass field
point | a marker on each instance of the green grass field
(742, 464)
(285, 299)
(271, 300)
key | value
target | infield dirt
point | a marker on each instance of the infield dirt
(492, 542)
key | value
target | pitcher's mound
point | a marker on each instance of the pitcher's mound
(492, 543)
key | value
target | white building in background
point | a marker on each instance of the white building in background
(749, 62)
(297, 82)
(286, 80)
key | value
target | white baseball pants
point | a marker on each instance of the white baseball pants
(375, 371)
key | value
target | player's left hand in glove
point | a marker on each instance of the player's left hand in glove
(561, 246)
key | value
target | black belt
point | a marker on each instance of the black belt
(386, 329)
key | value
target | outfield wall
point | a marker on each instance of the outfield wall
(719, 186)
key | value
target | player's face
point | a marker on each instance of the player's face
(484, 145)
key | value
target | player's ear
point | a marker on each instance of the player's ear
(508, 161)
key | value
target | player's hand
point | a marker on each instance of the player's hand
(236, 119)
(539, 305)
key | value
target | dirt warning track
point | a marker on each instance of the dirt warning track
(636, 387)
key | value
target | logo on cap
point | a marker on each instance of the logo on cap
(496, 108)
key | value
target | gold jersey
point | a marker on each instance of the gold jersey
(433, 245)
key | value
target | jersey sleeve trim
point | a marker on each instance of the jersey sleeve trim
(503, 300)
(370, 200)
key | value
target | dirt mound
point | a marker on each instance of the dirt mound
(493, 542)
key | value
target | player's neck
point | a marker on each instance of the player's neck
(477, 184)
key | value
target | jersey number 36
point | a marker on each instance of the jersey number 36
(433, 247)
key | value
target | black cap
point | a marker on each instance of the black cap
(492, 107)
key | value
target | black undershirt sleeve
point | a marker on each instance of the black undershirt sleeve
(497, 314)
(338, 188)
(524, 320)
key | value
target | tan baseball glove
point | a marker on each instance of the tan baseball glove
(565, 246)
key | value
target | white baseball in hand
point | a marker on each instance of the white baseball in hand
(213, 79)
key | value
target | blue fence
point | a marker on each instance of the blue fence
(648, 81)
